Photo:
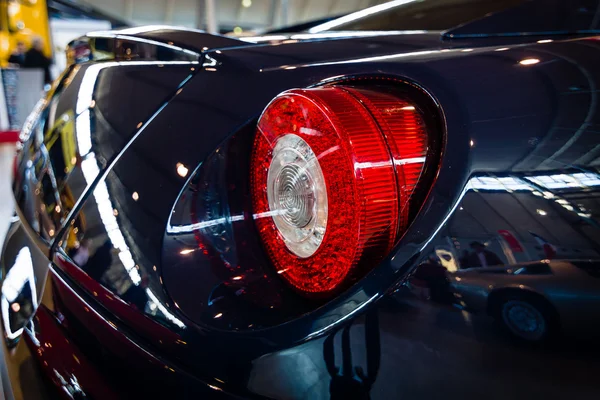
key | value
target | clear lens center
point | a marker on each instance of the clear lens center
(297, 195)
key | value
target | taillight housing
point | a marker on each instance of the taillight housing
(301, 204)
(333, 170)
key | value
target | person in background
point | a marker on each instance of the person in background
(482, 257)
(35, 58)
(433, 275)
(17, 58)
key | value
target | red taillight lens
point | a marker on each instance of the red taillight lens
(333, 169)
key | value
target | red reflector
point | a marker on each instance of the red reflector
(333, 169)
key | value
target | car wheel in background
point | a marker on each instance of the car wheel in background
(526, 316)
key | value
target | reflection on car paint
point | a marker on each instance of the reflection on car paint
(19, 295)
(516, 216)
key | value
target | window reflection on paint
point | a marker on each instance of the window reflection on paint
(19, 297)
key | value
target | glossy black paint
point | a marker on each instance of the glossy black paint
(503, 119)
(547, 17)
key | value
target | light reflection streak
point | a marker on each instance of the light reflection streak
(90, 169)
(341, 35)
(111, 35)
(88, 83)
(447, 217)
(16, 278)
(414, 160)
(345, 317)
(218, 221)
(326, 35)
(203, 225)
(84, 141)
(380, 164)
(209, 61)
(565, 181)
(382, 58)
(328, 151)
(310, 131)
(89, 166)
(493, 183)
(163, 309)
(266, 38)
(329, 25)
(151, 28)
(488, 183)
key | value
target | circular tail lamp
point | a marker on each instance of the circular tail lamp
(332, 173)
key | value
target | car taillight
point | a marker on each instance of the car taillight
(332, 172)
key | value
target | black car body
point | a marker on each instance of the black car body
(136, 238)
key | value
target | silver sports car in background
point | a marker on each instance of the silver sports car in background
(534, 300)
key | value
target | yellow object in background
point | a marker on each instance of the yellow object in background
(22, 20)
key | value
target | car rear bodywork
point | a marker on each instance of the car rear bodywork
(102, 161)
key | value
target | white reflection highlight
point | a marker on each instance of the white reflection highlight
(88, 83)
(182, 170)
(151, 28)
(90, 170)
(357, 15)
(84, 137)
(20, 275)
(105, 210)
(124, 35)
(328, 151)
(209, 61)
(310, 131)
(218, 221)
(414, 160)
(203, 224)
(381, 164)
(566, 181)
(168, 315)
(269, 214)
(345, 317)
(447, 217)
(341, 35)
(492, 183)
(326, 35)
(382, 58)
(529, 61)
(266, 38)
(89, 165)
